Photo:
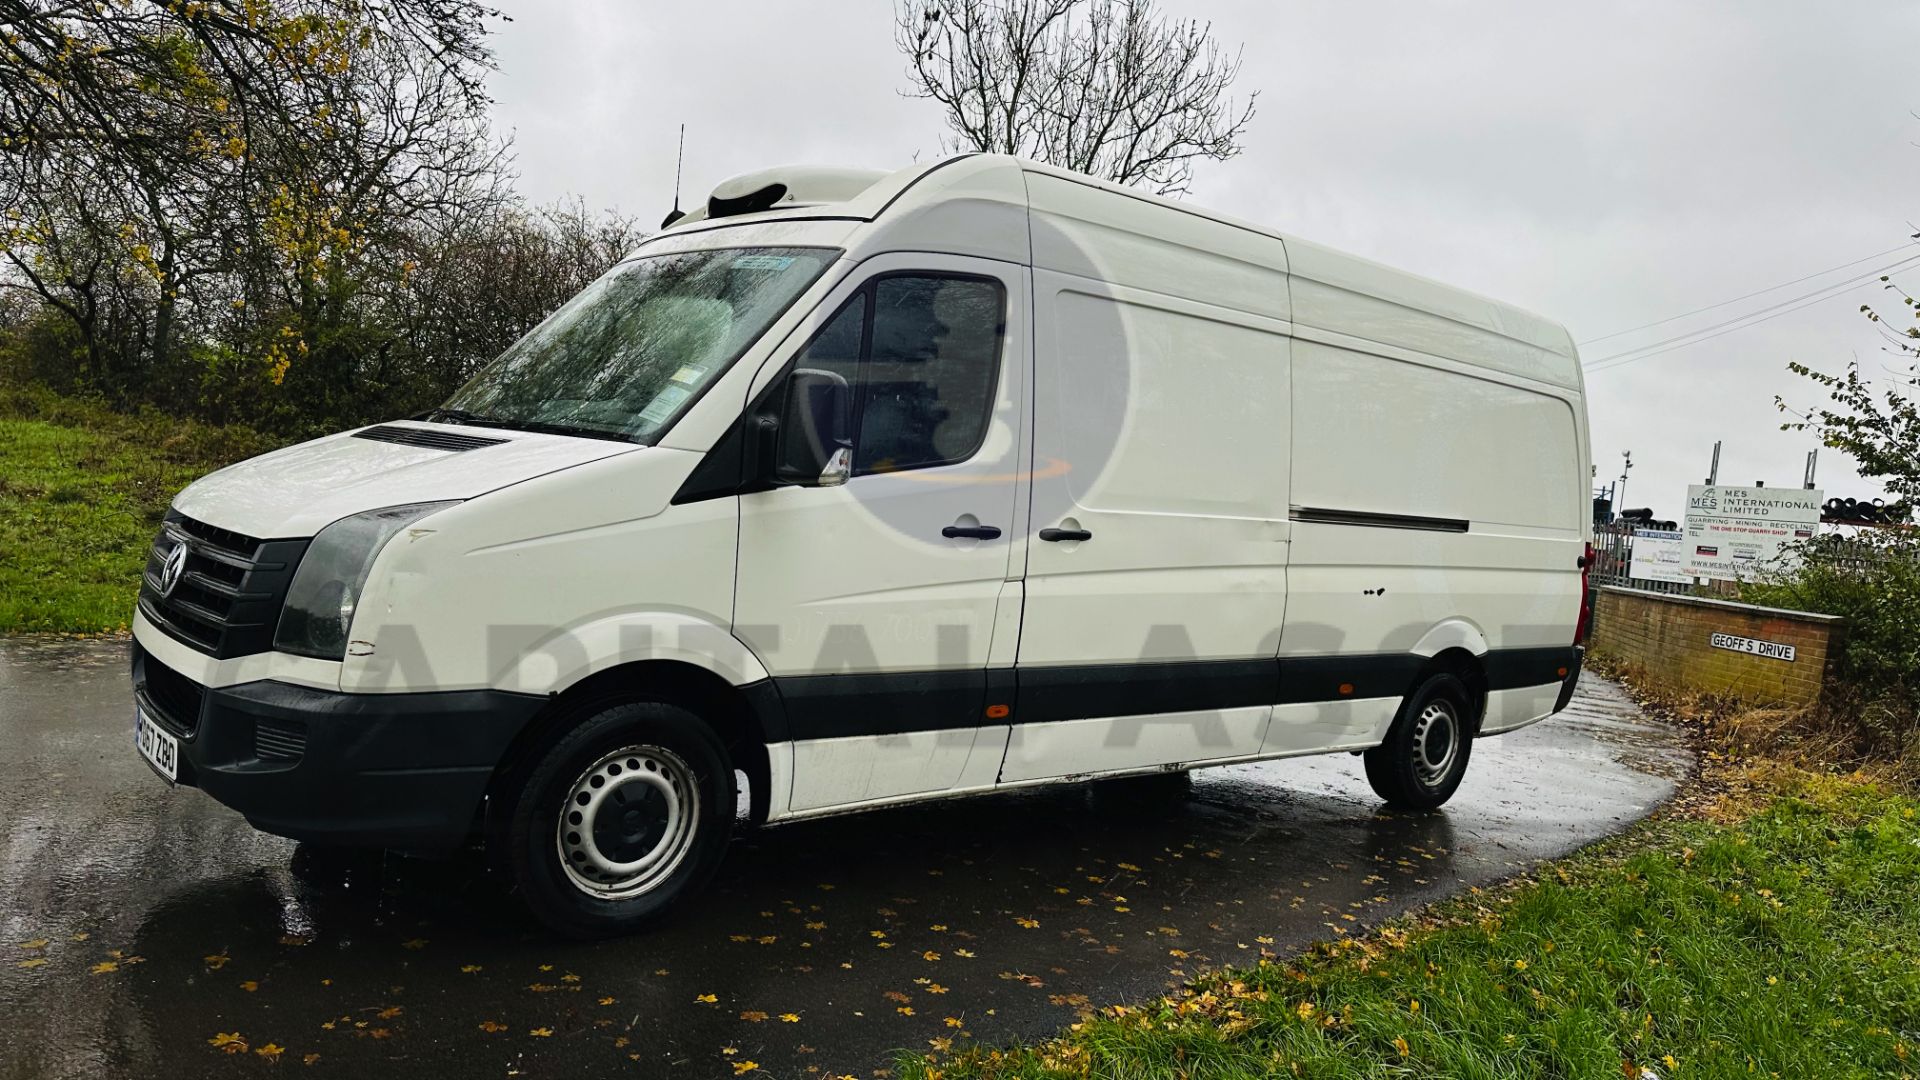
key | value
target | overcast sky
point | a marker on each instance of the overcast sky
(1607, 165)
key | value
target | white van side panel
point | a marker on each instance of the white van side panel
(1350, 295)
(1510, 709)
(538, 586)
(1391, 436)
(1120, 744)
(1161, 428)
(1124, 239)
(1317, 726)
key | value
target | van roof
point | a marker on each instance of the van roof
(1493, 333)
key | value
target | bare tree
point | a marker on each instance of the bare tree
(1106, 87)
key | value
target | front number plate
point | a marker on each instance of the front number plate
(161, 750)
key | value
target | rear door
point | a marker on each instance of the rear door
(874, 603)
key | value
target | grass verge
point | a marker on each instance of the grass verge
(1781, 941)
(82, 490)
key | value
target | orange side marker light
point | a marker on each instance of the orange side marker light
(1346, 688)
(997, 712)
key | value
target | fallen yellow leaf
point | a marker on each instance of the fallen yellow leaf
(105, 966)
(271, 1051)
(541, 1032)
(229, 1041)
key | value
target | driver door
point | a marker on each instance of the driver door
(873, 595)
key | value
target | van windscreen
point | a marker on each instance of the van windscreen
(625, 356)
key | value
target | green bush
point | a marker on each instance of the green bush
(1873, 582)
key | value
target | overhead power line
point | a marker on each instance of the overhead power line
(1748, 296)
(1741, 322)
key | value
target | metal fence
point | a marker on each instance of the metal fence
(1613, 562)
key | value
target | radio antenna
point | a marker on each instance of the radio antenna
(678, 163)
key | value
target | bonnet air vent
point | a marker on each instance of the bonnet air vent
(427, 437)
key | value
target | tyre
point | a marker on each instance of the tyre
(1137, 797)
(1421, 761)
(621, 821)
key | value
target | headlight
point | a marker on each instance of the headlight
(327, 585)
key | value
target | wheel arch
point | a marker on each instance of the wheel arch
(1464, 665)
(745, 717)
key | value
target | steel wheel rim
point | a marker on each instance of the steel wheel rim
(627, 822)
(1436, 742)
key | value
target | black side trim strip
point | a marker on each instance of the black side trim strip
(891, 703)
(1325, 516)
(1372, 675)
(883, 703)
(1073, 693)
(1511, 669)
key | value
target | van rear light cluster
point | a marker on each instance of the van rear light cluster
(1585, 624)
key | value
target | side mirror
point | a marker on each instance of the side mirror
(815, 437)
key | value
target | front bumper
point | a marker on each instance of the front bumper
(403, 771)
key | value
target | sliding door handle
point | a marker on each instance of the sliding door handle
(971, 532)
(1054, 536)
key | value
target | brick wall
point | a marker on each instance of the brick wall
(1668, 640)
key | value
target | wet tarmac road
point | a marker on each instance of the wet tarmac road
(148, 932)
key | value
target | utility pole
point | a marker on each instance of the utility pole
(1626, 466)
(1713, 471)
(1812, 456)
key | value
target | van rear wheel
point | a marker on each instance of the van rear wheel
(621, 821)
(1424, 756)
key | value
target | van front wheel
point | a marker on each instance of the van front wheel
(1420, 763)
(622, 820)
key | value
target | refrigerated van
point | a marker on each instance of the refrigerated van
(856, 489)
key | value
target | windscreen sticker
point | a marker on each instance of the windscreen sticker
(763, 262)
(664, 403)
(689, 375)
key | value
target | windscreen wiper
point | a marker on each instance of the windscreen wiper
(460, 416)
(547, 428)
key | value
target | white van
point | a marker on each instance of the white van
(862, 489)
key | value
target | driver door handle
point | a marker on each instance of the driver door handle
(1054, 536)
(971, 532)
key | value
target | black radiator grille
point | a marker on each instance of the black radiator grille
(174, 698)
(227, 596)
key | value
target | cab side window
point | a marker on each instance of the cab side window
(930, 370)
(920, 354)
